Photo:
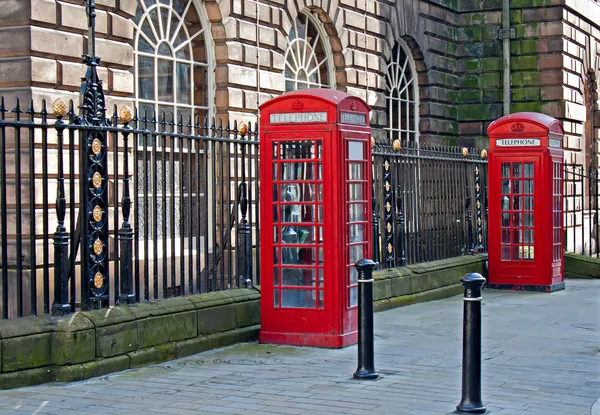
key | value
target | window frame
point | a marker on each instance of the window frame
(394, 124)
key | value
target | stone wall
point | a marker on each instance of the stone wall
(88, 344)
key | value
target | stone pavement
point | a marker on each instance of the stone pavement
(541, 355)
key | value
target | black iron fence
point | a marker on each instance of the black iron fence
(582, 210)
(430, 202)
(103, 210)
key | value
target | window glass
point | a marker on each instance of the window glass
(171, 59)
(306, 61)
(402, 97)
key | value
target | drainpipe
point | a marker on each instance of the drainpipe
(506, 33)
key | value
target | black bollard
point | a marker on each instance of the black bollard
(366, 365)
(471, 371)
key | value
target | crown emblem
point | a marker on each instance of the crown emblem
(297, 106)
(517, 128)
(353, 106)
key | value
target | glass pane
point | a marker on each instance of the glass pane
(505, 236)
(505, 170)
(528, 202)
(297, 235)
(276, 255)
(505, 203)
(321, 299)
(164, 50)
(154, 17)
(144, 46)
(295, 193)
(353, 275)
(517, 236)
(276, 275)
(298, 256)
(517, 170)
(517, 203)
(297, 171)
(505, 187)
(275, 167)
(528, 236)
(529, 219)
(528, 252)
(145, 77)
(320, 214)
(356, 253)
(529, 187)
(200, 86)
(355, 171)
(298, 277)
(355, 192)
(319, 192)
(321, 278)
(298, 213)
(184, 95)
(298, 298)
(276, 234)
(517, 252)
(274, 154)
(517, 220)
(353, 296)
(319, 171)
(356, 150)
(356, 233)
(506, 253)
(165, 80)
(517, 186)
(292, 150)
(276, 297)
(528, 169)
(319, 149)
(506, 220)
(357, 212)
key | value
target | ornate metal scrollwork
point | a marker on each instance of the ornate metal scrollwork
(93, 230)
(388, 213)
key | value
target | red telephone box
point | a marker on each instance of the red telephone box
(315, 172)
(525, 199)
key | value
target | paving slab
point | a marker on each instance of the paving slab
(540, 356)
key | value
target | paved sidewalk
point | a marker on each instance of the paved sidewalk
(541, 355)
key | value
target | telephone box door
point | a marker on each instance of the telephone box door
(517, 214)
(357, 197)
(297, 262)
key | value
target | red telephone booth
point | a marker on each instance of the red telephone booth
(525, 199)
(315, 170)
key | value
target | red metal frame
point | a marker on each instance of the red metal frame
(323, 287)
(525, 203)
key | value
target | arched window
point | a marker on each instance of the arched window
(173, 66)
(308, 56)
(402, 96)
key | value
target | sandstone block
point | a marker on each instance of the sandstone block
(115, 52)
(57, 43)
(121, 27)
(120, 82)
(44, 70)
(43, 11)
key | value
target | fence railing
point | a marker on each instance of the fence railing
(430, 202)
(582, 210)
(122, 209)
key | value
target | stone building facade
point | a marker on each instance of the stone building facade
(431, 70)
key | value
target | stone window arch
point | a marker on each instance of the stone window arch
(308, 58)
(174, 62)
(402, 95)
